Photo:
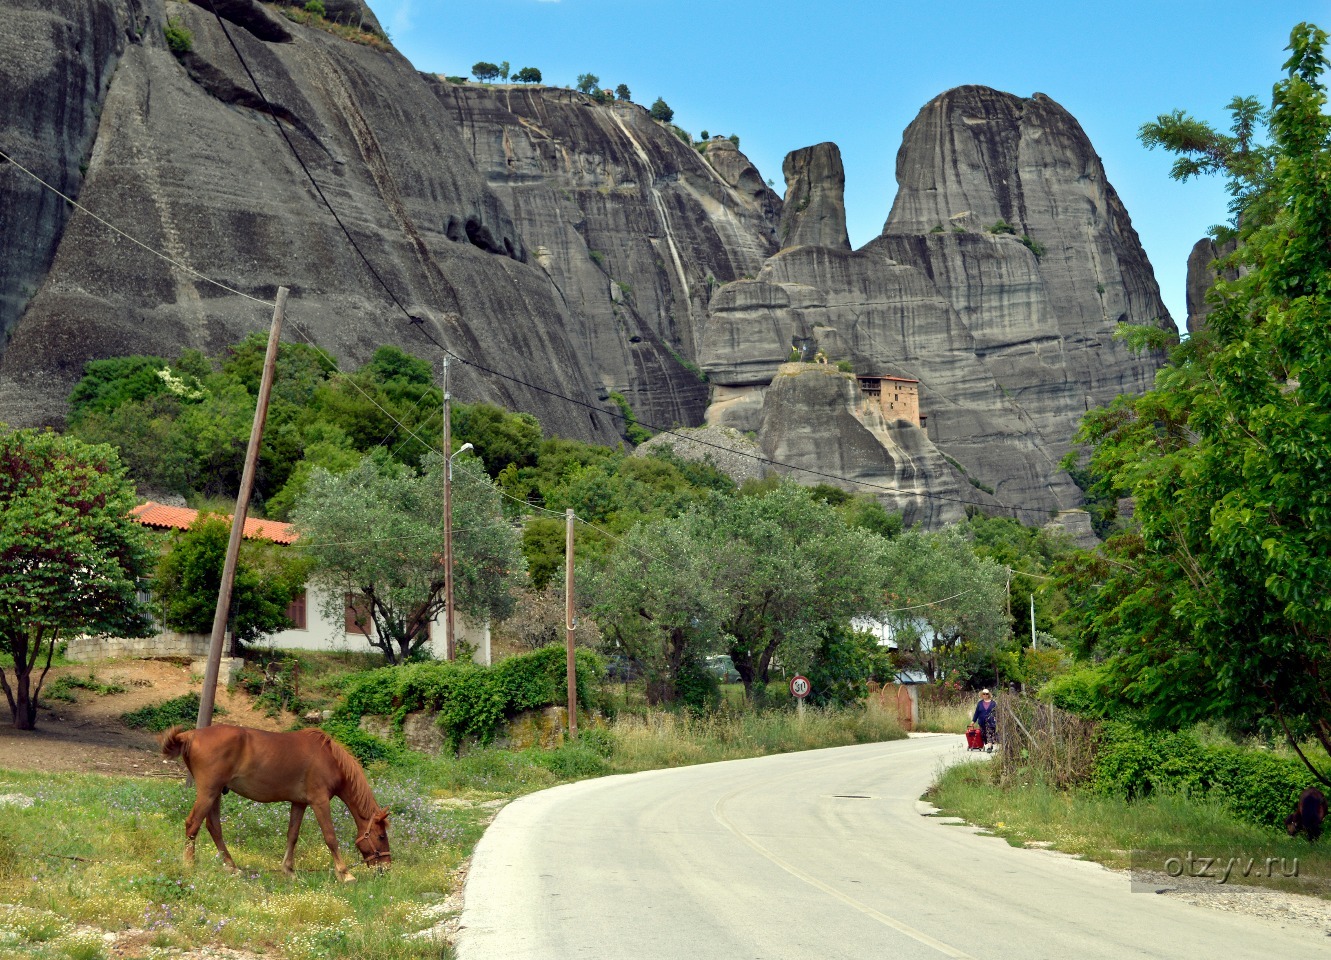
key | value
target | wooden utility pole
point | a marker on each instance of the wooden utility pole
(568, 626)
(450, 651)
(209, 694)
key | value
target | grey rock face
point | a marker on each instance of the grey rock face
(1004, 204)
(887, 319)
(58, 58)
(817, 423)
(254, 17)
(1202, 276)
(634, 227)
(188, 160)
(815, 205)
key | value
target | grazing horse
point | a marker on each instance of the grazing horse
(304, 768)
(1309, 812)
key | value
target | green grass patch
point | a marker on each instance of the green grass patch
(63, 687)
(1108, 829)
(105, 852)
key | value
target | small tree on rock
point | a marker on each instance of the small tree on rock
(623, 93)
(588, 82)
(528, 75)
(661, 111)
(485, 71)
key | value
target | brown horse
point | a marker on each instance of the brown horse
(305, 768)
(1309, 812)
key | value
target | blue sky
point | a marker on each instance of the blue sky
(784, 74)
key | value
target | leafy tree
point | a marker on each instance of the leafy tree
(791, 571)
(70, 555)
(656, 600)
(660, 110)
(503, 71)
(704, 136)
(484, 70)
(374, 533)
(734, 138)
(189, 576)
(500, 438)
(622, 92)
(528, 75)
(588, 82)
(948, 606)
(1215, 603)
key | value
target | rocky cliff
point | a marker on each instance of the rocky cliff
(570, 246)
(634, 226)
(1004, 270)
(182, 154)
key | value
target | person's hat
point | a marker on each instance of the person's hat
(985, 690)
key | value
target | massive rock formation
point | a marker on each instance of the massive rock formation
(565, 247)
(189, 159)
(1004, 203)
(634, 226)
(1003, 271)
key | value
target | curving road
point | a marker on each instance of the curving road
(819, 854)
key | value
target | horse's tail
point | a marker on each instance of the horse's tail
(175, 743)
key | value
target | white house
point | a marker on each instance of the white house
(311, 630)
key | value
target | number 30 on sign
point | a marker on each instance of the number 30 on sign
(800, 686)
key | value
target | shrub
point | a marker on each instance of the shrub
(1255, 785)
(734, 138)
(1034, 246)
(472, 701)
(1002, 226)
(316, 7)
(178, 37)
(458, 80)
(365, 747)
(183, 710)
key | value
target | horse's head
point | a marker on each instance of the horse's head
(1293, 824)
(373, 841)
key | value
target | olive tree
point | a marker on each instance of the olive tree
(375, 535)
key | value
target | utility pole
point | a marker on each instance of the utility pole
(568, 626)
(1034, 645)
(450, 651)
(208, 695)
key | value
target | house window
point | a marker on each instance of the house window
(296, 613)
(358, 616)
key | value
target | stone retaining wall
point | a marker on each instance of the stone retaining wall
(165, 644)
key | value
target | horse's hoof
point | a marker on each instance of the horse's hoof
(348, 878)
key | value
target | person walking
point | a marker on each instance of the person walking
(984, 717)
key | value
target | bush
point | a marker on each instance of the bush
(178, 37)
(1034, 246)
(316, 7)
(1079, 691)
(472, 701)
(365, 747)
(1002, 226)
(183, 710)
(1255, 785)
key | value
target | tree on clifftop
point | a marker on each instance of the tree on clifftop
(661, 111)
(1215, 604)
(485, 71)
(528, 75)
(70, 554)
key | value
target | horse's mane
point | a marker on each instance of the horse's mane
(353, 774)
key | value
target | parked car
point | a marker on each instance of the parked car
(723, 668)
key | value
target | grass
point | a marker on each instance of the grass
(63, 687)
(1117, 833)
(944, 716)
(98, 853)
(183, 710)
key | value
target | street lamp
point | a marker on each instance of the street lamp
(450, 651)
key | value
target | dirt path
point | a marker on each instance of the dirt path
(87, 736)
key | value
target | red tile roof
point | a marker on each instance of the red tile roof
(161, 516)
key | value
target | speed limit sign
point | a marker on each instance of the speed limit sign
(800, 686)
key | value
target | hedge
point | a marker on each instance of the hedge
(472, 701)
(1255, 785)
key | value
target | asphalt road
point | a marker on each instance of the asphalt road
(821, 854)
